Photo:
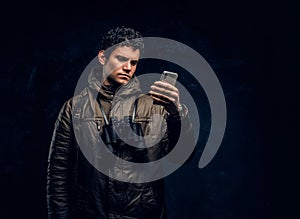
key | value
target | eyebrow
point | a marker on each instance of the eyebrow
(132, 62)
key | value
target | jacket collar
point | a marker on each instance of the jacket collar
(126, 90)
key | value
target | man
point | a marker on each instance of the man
(105, 113)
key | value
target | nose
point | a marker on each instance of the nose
(127, 66)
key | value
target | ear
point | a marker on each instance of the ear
(101, 57)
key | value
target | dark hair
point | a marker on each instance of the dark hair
(121, 36)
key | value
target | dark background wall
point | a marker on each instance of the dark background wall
(249, 44)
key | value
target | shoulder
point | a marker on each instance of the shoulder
(83, 95)
(75, 102)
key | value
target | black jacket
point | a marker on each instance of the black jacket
(75, 186)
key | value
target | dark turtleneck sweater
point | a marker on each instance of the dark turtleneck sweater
(105, 97)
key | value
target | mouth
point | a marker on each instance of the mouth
(126, 76)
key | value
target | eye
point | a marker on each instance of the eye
(122, 58)
(133, 62)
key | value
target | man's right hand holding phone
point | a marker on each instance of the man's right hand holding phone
(166, 94)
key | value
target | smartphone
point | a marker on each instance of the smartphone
(169, 77)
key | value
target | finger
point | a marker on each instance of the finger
(170, 106)
(160, 101)
(166, 85)
(166, 92)
(162, 97)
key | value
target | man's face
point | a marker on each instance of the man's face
(120, 66)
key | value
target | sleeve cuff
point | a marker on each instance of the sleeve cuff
(180, 115)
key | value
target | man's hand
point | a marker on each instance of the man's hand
(167, 95)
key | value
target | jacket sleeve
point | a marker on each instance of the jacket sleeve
(60, 166)
(181, 132)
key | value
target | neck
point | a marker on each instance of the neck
(109, 88)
